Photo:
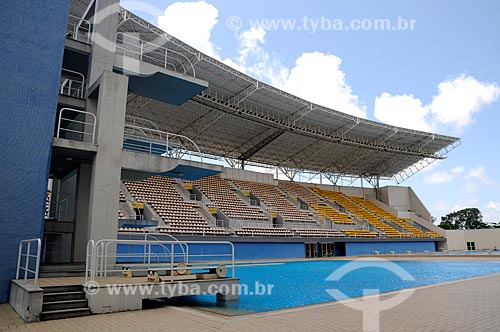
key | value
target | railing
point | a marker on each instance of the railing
(103, 258)
(78, 29)
(72, 83)
(153, 141)
(158, 55)
(27, 259)
(71, 125)
(61, 206)
(88, 260)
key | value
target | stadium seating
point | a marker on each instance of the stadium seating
(122, 197)
(179, 215)
(276, 201)
(428, 233)
(361, 213)
(197, 230)
(304, 193)
(259, 231)
(317, 232)
(316, 202)
(360, 233)
(383, 214)
(220, 192)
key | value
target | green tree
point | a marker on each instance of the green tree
(470, 218)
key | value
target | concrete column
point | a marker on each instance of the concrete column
(106, 167)
(82, 213)
(105, 22)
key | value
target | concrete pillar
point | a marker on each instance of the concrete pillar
(82, 213)
(104, 26)
(106, 167)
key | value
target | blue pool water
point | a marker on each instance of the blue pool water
(304, 283)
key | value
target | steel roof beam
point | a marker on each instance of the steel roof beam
(259, 146)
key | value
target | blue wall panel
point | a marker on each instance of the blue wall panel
(248, 250)
(32, 39)
(197, 252)
(368, 248)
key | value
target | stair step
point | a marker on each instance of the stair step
(62, 270)
(64, 313)
(65, 288)
(63, 296)
(68, 273)
(62, 267)
(66, 304)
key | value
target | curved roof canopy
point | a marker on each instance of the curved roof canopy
(240, 117)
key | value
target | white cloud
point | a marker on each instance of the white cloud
(402, 110)
(192, 22)
(458, 99)
(476, 178)
(255, 61)
(441, 206)
(454, 105)
(443, 176)
(464, 204)
(493, 205)
(318, 77)
(492, 212)
(478, 173)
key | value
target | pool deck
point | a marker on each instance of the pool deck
(463, 305)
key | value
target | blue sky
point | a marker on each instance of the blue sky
(442, 76)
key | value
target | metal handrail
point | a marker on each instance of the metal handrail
(72, 121)
(152, 53)
(100, 253)
(27, 257)
(133, 120)
(78, 26)
(154, 136)
(60, 205)
(67, 84)
(89, 255)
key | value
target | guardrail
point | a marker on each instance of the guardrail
(78, 29)
(72, 84)
(103, 257)
(61, 206)
(71, 126)
(153, 141)
(27, 269)
(133, 47)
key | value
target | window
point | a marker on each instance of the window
(471, 245)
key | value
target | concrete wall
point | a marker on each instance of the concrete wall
(32, 39)
(485, 239)
(239, 174)
(396, 197)
(368, 248)
(404, 200)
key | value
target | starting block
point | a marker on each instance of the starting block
(153, 276)
(126, 272)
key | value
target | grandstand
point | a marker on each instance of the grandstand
(130, 141)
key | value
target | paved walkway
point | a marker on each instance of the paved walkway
(467, 305)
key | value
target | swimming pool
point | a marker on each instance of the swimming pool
(305, 282)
